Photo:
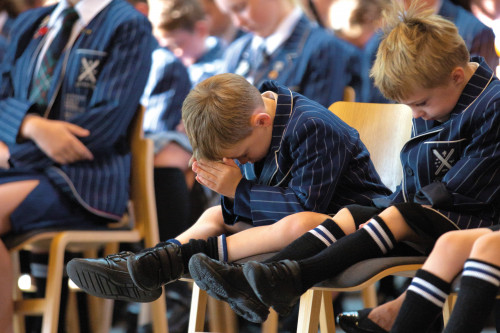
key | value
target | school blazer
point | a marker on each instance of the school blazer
(479, 38)
(455, 166)
(167, 87)
(316, 163)
(104, 76)
(311, 62)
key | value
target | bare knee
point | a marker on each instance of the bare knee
(295, 225)
(449, 243)
(487, 248)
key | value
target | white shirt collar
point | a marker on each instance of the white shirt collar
(86, 9)
(281, 34)
(3, 18)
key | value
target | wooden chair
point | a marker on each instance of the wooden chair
(384, 128)
(141, 224)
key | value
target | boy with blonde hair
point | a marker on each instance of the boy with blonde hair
(450, 177)
(269, 154)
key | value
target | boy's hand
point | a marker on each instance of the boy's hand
(4, 156)
(221, 177)
(57, 139)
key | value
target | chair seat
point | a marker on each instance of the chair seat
(367, 270)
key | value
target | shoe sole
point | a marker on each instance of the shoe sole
(213, 283)
(250, 271)
(96, 281)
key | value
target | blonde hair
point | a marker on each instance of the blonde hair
(418, 50)
(180, 14)
(216, 114)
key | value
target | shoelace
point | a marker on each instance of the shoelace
(118, 256)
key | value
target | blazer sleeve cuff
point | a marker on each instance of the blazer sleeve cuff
(435, 195)
(12, 115)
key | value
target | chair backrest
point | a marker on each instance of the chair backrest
(384, 129)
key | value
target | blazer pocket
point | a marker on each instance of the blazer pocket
(442, 156)
(89, 64)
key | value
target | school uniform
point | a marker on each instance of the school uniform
(454, 166)
(209, 63)
(316, 162)
(370, 94)
(479, 38)
(97, 85)
(167, 86)
(311, 61)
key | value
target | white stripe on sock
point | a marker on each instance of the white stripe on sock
(320, 237)
(417, 289)
(327, 232)
(368, 227)
(382, 231)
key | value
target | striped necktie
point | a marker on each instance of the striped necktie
(43, 77)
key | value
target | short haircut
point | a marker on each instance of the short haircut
(418, 50)
(180, 14)
(216, 114)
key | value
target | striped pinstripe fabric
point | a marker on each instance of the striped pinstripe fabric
(455, 166)
(104, 78)
(316, 163)
(479, 38)
(311, 62)
(168, 84)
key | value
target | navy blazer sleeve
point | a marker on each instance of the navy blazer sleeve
(112, 104)
(167, 87)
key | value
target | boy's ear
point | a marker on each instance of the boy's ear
(458, 75)
(261, 119)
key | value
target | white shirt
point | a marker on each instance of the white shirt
(86, 9)
(280, 35)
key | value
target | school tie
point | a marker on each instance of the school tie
(259, 56)
(43, 78)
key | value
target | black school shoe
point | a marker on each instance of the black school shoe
(358, 322)
(109, 278)
(152, 268)
(226, 282)
(276, 284)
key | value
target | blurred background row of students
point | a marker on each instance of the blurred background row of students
(315, 47)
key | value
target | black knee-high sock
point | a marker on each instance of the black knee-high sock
(424, 302)
(478, 289)
(311, 243)
(373, 240)
(172, 202)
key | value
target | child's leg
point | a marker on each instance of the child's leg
(478, 286)
(11, 196)
(274, 237)
(426, 295)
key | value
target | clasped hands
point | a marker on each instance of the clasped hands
(221, 177)
(57, 139)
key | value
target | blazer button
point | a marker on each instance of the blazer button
(409, 171)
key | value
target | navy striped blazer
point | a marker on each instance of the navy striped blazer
(311, 62)
(455, 166)
(316, 163)
(479, 38)
(105, 75)
(168, 84)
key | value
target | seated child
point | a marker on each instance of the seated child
(450, 176)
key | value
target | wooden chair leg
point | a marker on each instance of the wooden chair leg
(369, 295)
(326, 315)
(271, 323)
(198, 308)
(448, 307)
(54, 281)
(221, 317)
(310, 304)
(19, 325)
